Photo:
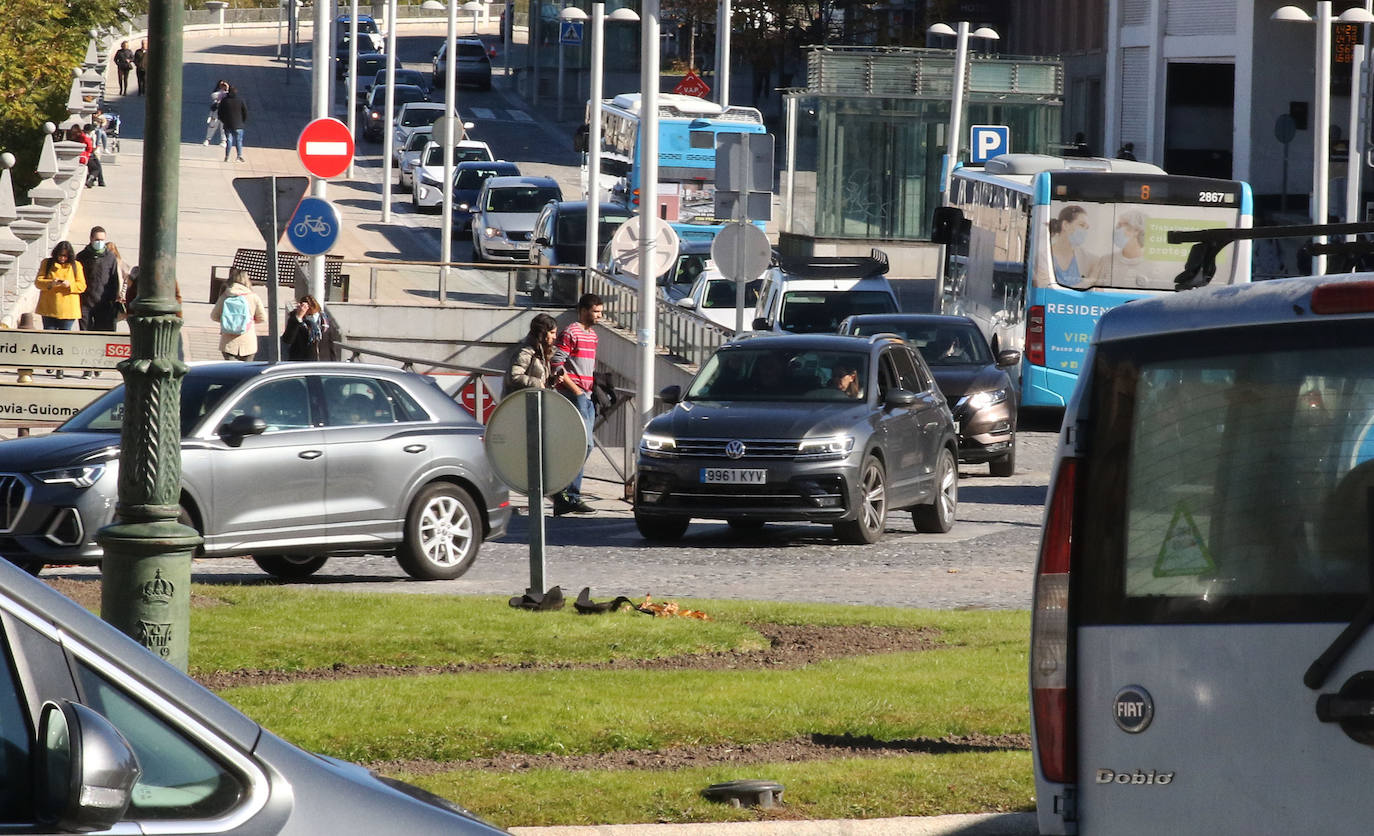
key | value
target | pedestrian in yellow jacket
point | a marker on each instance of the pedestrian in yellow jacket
(60, 283)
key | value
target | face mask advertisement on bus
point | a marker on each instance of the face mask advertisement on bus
(1094, 246)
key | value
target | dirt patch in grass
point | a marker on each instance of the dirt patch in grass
(87, 593)
(810, 748)
(790, 646)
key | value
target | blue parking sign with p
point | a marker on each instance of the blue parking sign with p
(988, 141)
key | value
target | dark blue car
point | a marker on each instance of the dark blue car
(468, 178)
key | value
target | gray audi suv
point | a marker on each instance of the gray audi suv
(818, 428)
(290, 463)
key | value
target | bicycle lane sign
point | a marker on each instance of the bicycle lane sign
(314, 226)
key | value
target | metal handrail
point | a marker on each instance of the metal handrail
(408, 363)
(683, 334)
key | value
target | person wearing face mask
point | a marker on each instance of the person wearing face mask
(1128, 251)
(1068, 234)
(100, 299)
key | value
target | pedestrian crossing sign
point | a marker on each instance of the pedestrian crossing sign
(570, 33)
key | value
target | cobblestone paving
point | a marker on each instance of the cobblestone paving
(986, 560)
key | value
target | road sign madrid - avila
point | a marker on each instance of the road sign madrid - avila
(325, 147)
(314, 226)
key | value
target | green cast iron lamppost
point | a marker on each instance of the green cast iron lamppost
(146, 588)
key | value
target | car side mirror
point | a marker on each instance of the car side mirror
(762, 324)
(86, 769)
(687, 302)
(897, 398)
(670, 395)
(234, 432)
(542, 241)
(1008, 357)
(945, 221)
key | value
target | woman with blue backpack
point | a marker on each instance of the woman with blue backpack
(238, 312)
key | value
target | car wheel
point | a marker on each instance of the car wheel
(872, 518)
(401, 184)
(938, 516)
(1005, 465)
(290, 567)
(477, 254)
(661, 528)
(442, 535)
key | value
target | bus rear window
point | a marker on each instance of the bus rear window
(1230, 477)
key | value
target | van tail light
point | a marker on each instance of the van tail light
(1035, 336)
(634, 197)
(1052, 698)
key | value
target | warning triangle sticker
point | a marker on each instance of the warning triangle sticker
(1183, 551)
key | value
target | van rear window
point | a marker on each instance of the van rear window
(1230, 477)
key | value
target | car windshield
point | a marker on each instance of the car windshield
(365, 24)
(404, 95)
(521, 199)
(472, 178)
(416, 116)
(199, 395)
(572, 228)
(720, 293)
(370, 67)
(820, 311)
(461, 154)
(765, 373)
(688, 267)
(940, 344)
(418, 140)
(471, 51)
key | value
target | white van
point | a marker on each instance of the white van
(814, 295)
(1201, 659)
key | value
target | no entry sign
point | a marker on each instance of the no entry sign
(325, 147)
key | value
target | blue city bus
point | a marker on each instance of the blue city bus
(1040, 247)
(687, 130)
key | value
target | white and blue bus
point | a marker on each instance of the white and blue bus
(1042, 246)
(687, 130)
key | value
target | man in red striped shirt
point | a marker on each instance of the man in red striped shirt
(575, 366)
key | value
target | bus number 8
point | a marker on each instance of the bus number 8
(1145, 192)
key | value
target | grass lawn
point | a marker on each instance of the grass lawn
(549, 718)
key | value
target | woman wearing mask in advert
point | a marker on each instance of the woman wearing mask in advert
(1128, 251)
(533, 364)
(309, 332)
(1068, 234)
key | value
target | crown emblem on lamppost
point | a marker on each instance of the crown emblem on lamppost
(158, 590)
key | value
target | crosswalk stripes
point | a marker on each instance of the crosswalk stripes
(521, 116)
(496, 114)
(483, 112)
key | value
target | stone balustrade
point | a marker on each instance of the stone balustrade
(28, 232)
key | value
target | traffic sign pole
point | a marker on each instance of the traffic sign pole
(273, 313)
(534, 441)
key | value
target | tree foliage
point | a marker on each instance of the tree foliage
(44, 41)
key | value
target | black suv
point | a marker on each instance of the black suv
(818, 428)
(374, 112)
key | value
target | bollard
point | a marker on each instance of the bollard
(218, 6)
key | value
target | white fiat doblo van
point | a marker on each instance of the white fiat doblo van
(1202, 659)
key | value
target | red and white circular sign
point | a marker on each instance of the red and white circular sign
(325, 147)
(477, 399)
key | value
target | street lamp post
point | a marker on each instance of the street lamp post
(593, 188)
(649, 81)
(956, 110)
(1321, 130)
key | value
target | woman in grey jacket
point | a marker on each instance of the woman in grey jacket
(533, 365)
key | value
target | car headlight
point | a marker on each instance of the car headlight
(427, 179)
(372, 114)
(653, 444)
(832, 445)
(983, 400)
(463, 207)
(491, 232)
(80, 476)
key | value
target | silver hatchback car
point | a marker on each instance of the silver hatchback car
(289, 463)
